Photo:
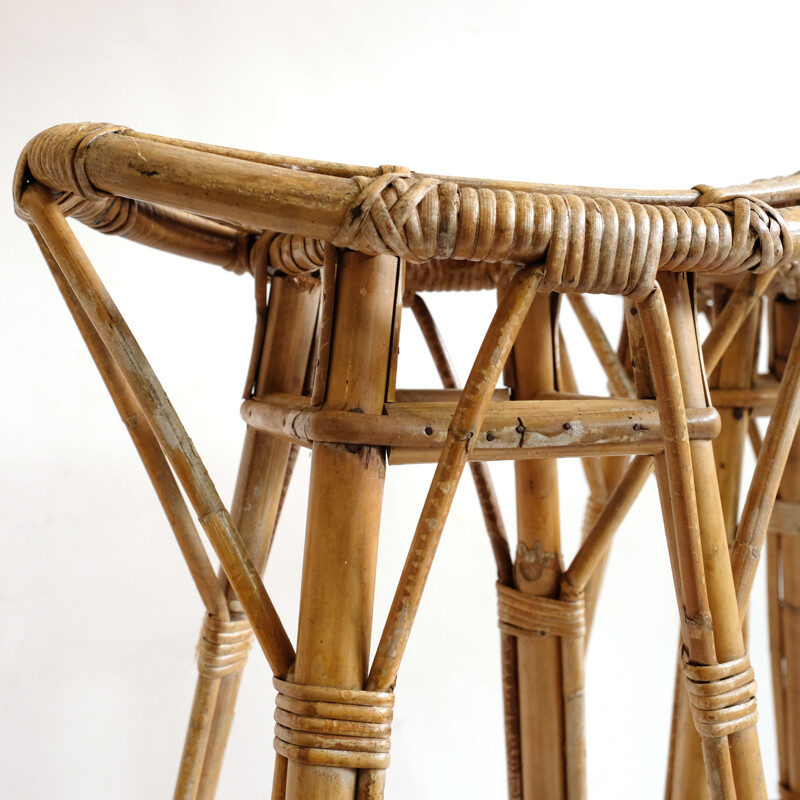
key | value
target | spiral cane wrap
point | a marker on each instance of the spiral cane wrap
(326, 726)
(722, 696)
(223, 646)
(523, 614)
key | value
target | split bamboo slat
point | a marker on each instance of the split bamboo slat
(336, 252)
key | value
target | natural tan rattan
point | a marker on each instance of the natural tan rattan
(343, 249)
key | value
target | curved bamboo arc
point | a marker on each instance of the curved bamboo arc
(94, 160)
(784, 189)
(116, 336)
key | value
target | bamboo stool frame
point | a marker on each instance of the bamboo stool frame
(389, 234)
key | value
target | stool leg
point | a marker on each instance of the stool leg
(538, 570)
(344, 508)
(735, 370)
(262, 473)
(784, 580)
(713, 644)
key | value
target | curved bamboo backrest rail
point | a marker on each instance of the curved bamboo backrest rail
(162, 192)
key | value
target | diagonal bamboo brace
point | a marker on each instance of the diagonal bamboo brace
(116, 336)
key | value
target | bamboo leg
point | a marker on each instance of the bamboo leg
(466, 422)
(706, 589)
(132, 383)
(735, 370)
(784, 582)
(538, 572)
(263, 471)
(344, 508)
(175, 508)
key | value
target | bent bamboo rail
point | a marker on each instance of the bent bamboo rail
(272, 215)
(153, 189)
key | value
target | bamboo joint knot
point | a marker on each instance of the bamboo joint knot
(523, 614)
(327, 726)
(223, 646)
(722, 696)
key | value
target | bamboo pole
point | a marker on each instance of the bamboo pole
(779, 449)
(510, 430)
(211, 695)
(263, 474)
(642, 373)
(344, 508)
(475, 397)
(177, 446)
(706, 588)
(772, 457)
(735, 370)
(594, 547)
(740, 305)
(538, 571)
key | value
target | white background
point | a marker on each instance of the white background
(98, 619)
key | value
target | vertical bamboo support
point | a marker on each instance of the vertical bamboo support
(263, 469)
(344, 508)
(512, 310)
(773, 455)
(706, 589)
(784, 579)
(642, 372)
(735, 370)
(538, 571)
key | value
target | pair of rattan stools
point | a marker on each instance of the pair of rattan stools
(336, 252)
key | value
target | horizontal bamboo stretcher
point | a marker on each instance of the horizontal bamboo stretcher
(343, 249)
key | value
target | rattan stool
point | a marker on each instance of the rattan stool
(342, 249)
